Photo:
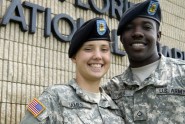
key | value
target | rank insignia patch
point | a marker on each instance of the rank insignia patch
(36, 107)
(152, 8)
(101, 27)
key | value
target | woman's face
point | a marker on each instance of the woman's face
(92, 60)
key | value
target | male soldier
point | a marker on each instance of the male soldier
(82, 100)
(152, 89)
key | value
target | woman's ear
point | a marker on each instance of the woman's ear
(73, 59)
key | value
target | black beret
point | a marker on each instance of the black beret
(94, 29)
(147, 9)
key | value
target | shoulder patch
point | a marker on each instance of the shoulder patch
(36, 107)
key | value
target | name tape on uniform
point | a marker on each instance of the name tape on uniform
(170, 91)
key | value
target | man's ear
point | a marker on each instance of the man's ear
(159, 36)
(120, 38)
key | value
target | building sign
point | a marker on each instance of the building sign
(15, 13)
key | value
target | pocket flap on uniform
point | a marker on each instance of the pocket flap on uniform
(140, 113)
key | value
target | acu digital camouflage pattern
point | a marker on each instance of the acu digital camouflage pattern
(67, 104)
(159, 100)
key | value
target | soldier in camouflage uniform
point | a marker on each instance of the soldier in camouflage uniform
(152, 89)
(81, 101)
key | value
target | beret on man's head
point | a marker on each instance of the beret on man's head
(94, 29)
(147, 9)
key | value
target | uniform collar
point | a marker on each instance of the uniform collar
(158, 78)
(105, 101)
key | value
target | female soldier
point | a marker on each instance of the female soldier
(82, 100)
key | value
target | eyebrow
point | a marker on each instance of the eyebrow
(94, 45)
(147, 22)
(143, 22)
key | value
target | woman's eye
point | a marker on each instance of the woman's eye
(105, 49)
(87, 49)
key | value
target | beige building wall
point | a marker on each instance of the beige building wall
(30, 62)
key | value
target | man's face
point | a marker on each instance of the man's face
(139, 39)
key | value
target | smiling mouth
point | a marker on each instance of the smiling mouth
(138, 45)
(96, 65)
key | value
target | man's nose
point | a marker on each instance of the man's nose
(137, 34)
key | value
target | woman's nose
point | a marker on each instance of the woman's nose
(97, 55)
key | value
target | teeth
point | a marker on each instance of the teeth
(96, 65)
(137, 45)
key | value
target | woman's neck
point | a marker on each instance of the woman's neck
(88, 85)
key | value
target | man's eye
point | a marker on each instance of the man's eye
(128, 27)
(147, 27)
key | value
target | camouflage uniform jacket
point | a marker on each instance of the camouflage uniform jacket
(159, 100)
(67, 104)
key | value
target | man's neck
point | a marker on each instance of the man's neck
(136, 64)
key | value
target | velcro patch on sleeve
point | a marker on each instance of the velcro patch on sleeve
(36, 107)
